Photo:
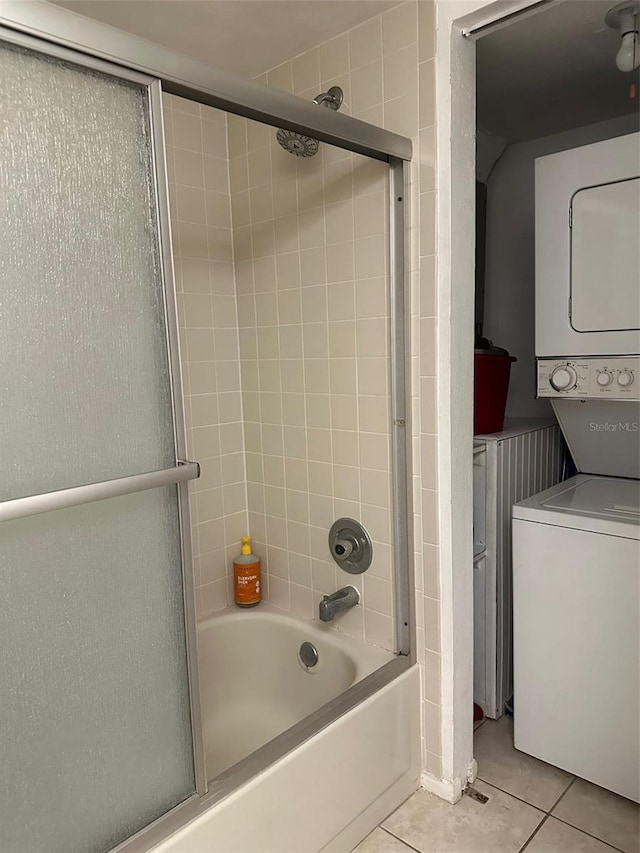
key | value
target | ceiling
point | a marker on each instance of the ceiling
(244, 36)
(551, 71)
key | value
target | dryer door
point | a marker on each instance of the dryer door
(605, 257)
(587, 261)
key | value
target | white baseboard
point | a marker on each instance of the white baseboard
(449, 790)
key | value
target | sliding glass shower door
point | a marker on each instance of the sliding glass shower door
(98, 709)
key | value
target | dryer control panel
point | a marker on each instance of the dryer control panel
(610, 378)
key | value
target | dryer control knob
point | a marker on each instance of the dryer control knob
(605, 378)
(625, 378)
(563, 378)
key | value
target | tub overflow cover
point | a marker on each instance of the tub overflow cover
(308, 655)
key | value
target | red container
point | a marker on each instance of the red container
(491, 385)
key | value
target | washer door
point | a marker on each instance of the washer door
(605, 257)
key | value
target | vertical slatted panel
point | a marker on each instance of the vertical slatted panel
(526, 464)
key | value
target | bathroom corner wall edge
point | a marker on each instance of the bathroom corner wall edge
(448, 790)
(189, 79)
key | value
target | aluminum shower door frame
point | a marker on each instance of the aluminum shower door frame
(183, 471)
(199, 82)
(56, 28)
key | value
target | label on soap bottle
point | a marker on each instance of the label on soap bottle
(247, 584)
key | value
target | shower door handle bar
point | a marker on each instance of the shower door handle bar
(77, 495)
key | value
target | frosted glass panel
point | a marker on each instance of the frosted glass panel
(95, 740)
(83, 365)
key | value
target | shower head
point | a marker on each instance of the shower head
(305, 146)
(296, 143)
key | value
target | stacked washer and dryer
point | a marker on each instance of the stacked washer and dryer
(576, 546)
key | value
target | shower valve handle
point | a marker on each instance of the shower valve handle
(350, 545)
(344, 548)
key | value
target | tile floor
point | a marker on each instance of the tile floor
(531, 806)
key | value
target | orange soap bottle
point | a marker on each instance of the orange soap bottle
(246, 576)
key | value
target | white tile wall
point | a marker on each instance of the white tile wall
(313, 303)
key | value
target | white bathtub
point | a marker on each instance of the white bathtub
(253, 685)
(332, 789)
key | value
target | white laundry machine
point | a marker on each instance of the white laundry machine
(588, 300)
(576, 547)
(576, 570)
(587, 227)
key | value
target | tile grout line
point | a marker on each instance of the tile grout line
(397, 838)
(562, 794)
(515, 796)
(534, 833)
(577, 829)
(589, 834)
(548, 814)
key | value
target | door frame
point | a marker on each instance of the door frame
(458, 24)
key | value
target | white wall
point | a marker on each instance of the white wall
(510, 270)
(489, 149)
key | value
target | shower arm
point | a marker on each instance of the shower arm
(331, 99)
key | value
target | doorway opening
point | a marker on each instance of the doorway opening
(544, 79)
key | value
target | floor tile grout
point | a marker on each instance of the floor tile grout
(534, 833)
(548, 814)
(520, 800)
(543, 813)
(562, 795)
(401, 840)
(515, 796)
(584, 832)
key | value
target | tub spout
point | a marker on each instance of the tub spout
(343, 599)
